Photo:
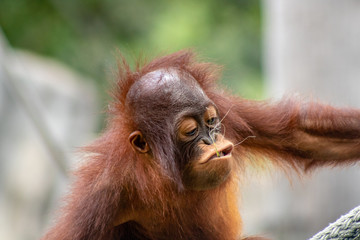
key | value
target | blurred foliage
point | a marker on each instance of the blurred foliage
(85, 34)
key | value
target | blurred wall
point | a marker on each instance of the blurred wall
(312, 48)
(46, 112)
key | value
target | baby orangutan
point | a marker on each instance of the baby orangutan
(166, 166)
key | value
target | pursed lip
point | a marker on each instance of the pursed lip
(218, 152)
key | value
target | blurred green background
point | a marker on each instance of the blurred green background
(86, 34)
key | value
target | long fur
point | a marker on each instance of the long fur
(115, 178)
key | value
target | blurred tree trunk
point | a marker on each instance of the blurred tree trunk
(312, 48)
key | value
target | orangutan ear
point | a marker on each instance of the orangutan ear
(138, 142)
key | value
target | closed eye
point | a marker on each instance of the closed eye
(188, 129)
(192, 132)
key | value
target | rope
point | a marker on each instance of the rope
(346, 227)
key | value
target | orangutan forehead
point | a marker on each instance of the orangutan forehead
(170, 79)
(160, 77)
(168, 90)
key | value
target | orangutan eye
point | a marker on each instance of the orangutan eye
(212, 121)
(192, 132)
(211, 117)
(188, 129)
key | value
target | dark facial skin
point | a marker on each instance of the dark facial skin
(173, 108)
(205, 151)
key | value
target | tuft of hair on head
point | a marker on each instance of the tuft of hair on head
(186, 61)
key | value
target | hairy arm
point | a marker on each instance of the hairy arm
(300, 134)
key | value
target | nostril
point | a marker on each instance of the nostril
(228, 150)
